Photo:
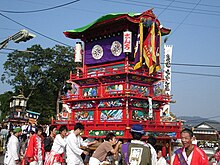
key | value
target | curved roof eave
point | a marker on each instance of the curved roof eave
(132, 17)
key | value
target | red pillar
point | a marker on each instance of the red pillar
(157, 115)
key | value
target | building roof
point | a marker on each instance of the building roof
(112, 17)
(210, 125)
(32, 112)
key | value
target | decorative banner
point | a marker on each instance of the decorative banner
(127, 41)
(150, 107)
(149, 49)
(104, 50)
(78, 52)
(138, 48)
(167, 74)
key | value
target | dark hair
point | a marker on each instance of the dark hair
(52, 128)
(44, 134)
(31, 132)
(23, 137)
(136, 135)
(152, 140)
(62, 128)
(110, 136)
(187, 130)
(78, 126)
(39, 128)
(158, 148)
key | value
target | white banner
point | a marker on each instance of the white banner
(78, 52)
(127, 40)
(150, 113)
(167, 74)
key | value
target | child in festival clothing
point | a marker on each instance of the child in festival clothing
(35, 149)
(56, 156)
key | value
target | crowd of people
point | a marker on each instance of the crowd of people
(34, 146)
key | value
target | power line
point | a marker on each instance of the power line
(180, 8)
(172, 8)
(196, 25)
(184, 18)
(28, 51)
(196, 74)
(165, 8)
(196, 65)
(40, 10)
(71, 8)
(34, 30)
(216, 6)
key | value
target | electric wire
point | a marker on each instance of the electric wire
(198, 65)
(195, 65)
(28, 51)
(40, 10)
(165, 9)
(196, 74)
(34, 30)
(184, 19)
(216, 6)
(172, 8)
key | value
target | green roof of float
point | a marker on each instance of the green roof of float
(103, 18)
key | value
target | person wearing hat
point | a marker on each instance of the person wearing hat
(136, 152)
(12, 153)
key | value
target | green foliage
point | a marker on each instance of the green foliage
(5, 104)
(39, 76)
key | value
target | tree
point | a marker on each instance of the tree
(5, 104)
(40, 75)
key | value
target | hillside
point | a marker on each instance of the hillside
(195, 120)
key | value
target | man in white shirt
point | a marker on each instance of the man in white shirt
(74, 141)
(13, 147)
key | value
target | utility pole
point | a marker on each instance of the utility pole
(21, 36)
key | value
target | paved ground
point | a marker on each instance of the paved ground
(1, 159)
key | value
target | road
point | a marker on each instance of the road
(1, 159)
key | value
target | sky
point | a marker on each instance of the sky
(195, 38)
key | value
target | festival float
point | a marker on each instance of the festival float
(118, 80)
